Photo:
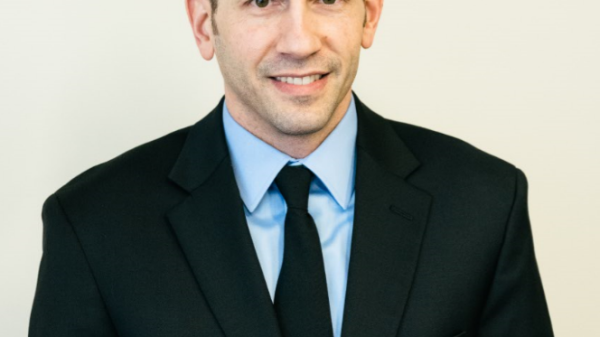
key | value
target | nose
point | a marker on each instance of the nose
(299, 35)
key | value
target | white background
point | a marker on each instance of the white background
(82, 81)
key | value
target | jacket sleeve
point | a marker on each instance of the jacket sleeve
(516, 305)
(67, 300)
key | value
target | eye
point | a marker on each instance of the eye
(329, 2)
(262, 3)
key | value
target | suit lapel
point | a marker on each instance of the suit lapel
(211, 228)
(389, 224)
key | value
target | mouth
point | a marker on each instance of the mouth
(301, 85)
(300, 80)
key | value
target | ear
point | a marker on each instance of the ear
(373, 13)
(199, 14)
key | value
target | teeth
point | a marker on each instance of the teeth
(299, 80)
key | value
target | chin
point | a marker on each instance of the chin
(302, 125)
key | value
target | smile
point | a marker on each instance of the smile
(306, 80)
(299, 85)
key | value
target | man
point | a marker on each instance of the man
(291, 209)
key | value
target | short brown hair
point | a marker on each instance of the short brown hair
(213, 5)
(213, 9)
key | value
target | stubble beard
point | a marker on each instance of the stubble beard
(299, 116)
(262, 108)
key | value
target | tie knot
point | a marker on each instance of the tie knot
(294, 184)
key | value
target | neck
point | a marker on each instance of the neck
(296, 146)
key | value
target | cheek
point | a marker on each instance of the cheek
(252, 44)
(343, 36)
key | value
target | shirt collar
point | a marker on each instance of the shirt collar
(256, 163)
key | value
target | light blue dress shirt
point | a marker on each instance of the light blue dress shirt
(331, 200)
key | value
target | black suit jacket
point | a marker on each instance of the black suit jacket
(155, 243)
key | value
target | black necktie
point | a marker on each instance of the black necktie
(301, 300)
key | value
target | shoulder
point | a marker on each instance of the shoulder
(455, 168)
(131, 174)
(433, 147)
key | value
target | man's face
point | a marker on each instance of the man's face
(288, 65)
